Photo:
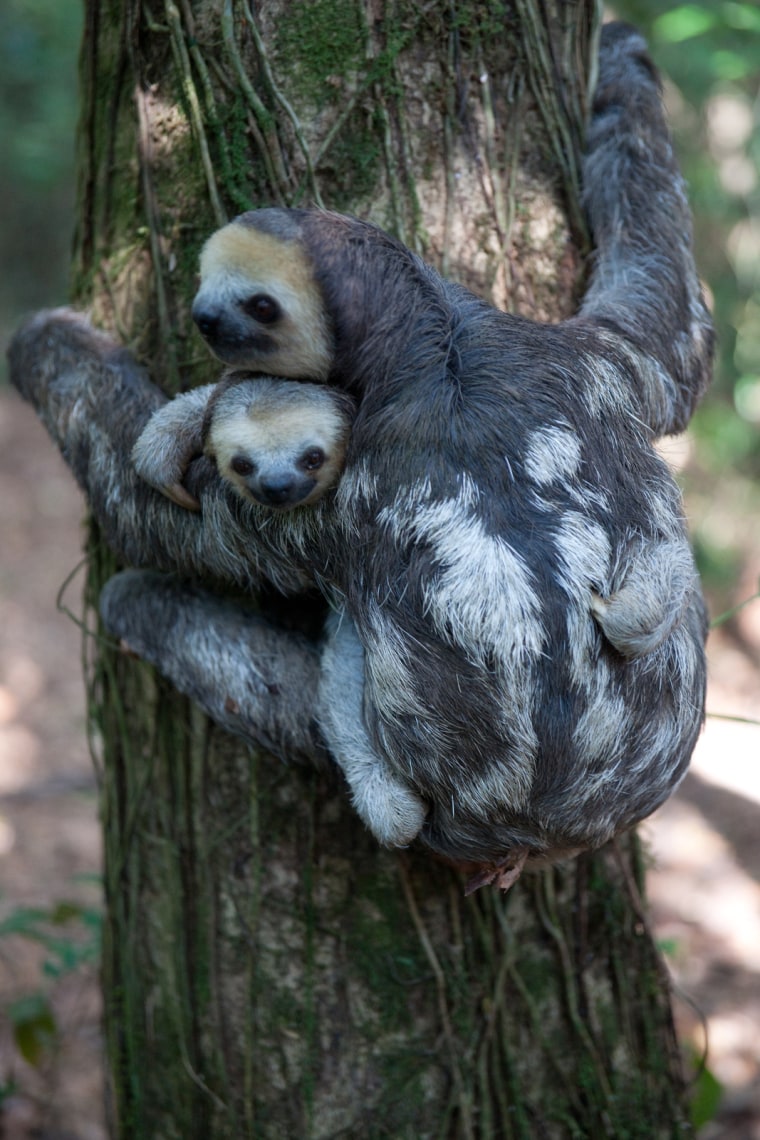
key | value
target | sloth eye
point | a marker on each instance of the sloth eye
(242, 465)
(312, 459)
(262, 308)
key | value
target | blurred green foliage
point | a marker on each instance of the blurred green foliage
(39, 43)
(70, 936)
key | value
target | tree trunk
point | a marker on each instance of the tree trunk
(268, 970)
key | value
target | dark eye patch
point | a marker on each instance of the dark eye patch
(262, 308)
(312, 459)
(242, 465)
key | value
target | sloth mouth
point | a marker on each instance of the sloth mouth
(279, 508)
(234, 349)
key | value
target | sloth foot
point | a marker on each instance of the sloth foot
(393, 812)
(502, 875)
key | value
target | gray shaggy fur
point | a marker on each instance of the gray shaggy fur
(505, 547)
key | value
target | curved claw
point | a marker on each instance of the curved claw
(170, 440)
(502, 875)
(181, 496)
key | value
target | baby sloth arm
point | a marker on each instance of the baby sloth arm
(172, 437)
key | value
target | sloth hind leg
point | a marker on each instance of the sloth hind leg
(264, 684)
(392, 811)
(255, 680)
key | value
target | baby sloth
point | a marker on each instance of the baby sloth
(278, 443)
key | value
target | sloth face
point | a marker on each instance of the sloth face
(279, 444)
(258, 308)
(280, 482)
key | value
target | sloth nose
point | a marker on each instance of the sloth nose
(276, 488)
(207, 319)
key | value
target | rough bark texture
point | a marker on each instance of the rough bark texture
(268, 971)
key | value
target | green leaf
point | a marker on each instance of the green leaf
(683, 23)
(23, 920)
(743, 16)
(34, 1027)
(728, 65)
(64, 912)
(707, 1096)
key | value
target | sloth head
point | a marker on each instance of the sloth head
(279, 443)
(258, 307)
(309, 294)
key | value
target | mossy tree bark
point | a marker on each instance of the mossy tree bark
(269, 972)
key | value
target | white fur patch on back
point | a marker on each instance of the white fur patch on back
(605, 389)
(600, 730)
(583, 554)
(584, 559)
(481, 599)
(553, 455)
(359, 482)
(481, 596)
(390, 674)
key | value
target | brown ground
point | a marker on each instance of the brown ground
(704, 885)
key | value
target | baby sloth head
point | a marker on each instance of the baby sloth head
(279, 443)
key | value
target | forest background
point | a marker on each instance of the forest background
(705, 886)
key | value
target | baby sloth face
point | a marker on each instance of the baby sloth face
(280, 443)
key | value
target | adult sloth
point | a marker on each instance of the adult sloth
(517, 670)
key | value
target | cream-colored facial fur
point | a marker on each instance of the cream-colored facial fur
(277, 426)
(238, 262)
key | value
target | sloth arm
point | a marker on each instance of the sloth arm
(643, 329)
(95, 400)
(256, 681)
(644, 306)
(253, 679)
(171, 439)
